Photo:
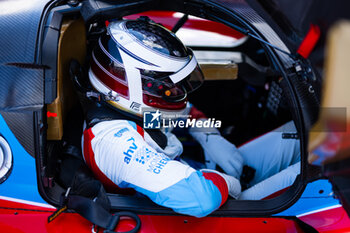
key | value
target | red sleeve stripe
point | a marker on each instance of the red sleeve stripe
(89, 157)
(140, 130)
(88, 152)
(220, 183)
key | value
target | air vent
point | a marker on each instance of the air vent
(5, 159)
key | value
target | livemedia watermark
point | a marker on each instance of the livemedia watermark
(156, 119)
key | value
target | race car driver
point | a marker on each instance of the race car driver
(139, 64)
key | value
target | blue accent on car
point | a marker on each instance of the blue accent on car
(194, 195)
(317, 195)
(21, 183)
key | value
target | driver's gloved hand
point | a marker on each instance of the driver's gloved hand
(233, 184)
(218, 150)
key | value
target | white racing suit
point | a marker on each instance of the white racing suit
(122, 155)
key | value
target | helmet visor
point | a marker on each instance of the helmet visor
(172, 87)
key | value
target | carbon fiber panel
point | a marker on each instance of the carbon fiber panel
(19, 26)
(20, 88)
(22, 126)
(21, 91)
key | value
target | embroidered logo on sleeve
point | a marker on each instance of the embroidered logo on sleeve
(157, 162)
(143, 156)
(120, 132)
(154, 162)
(130, 151)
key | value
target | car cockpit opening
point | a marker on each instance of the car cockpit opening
(249, 85)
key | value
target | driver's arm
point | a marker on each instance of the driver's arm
(117, 151)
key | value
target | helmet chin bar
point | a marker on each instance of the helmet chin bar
(161, 104)
(176, 100)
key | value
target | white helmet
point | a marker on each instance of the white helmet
(139, 64)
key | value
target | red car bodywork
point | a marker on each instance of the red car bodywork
(168, 20)
(19, 218)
